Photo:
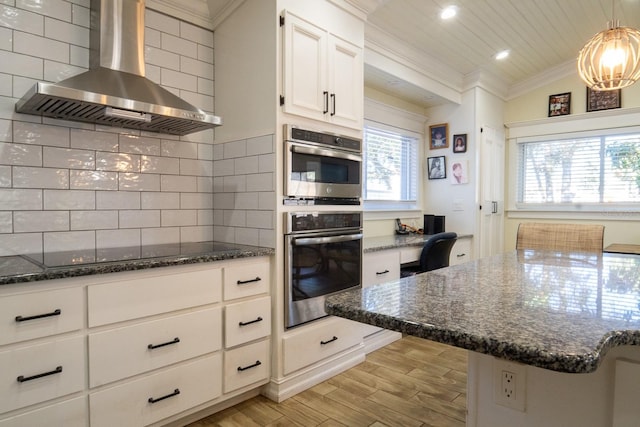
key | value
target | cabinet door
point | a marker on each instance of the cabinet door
(69, 413)
(305, 85)
(380, 267)
(346, 82)
(461, 252)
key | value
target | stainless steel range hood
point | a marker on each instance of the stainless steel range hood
(114, 91)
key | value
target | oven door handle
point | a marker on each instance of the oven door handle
(326, 153)
(305, 241)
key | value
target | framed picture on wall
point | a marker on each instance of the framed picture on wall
(437, 168)
(560, 104)
(439, 134)
(460, 143)
(603, 99)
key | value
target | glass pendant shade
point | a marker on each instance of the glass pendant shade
(611, 59)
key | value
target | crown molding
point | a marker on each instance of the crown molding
(193, 11)
(488, 81)
(367, 6)
(542, 79)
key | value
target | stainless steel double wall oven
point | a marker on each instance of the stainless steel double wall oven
(323, 247)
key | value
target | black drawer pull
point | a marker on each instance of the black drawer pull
(56, 312)
(22, 378)
(244, 282)
(461, 255)
(259, 319)
(175, 393)
(176, 340)
(382, 272)
(258, 363)
(335, 338)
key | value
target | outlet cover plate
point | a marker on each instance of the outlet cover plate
(516, 398)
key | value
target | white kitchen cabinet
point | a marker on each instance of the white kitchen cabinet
(247, 321)
(245, 280)
(69, 413)
(246, 365)
(322, 74)
(461, 251)
(380, 267)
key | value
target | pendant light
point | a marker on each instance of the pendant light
(611, 59)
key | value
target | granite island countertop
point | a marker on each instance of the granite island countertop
(395, 241)
(58, 265)
(557, 311)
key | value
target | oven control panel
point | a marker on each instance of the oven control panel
(298, 222)
(320, 138)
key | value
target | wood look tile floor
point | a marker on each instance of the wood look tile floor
(411, 382)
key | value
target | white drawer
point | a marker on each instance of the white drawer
(314, 342)
(37, 360)
(40, 314)
(461, 252)
(380, 267)
(247, 321)
(410, 254)
(123, 352)
(246, 365)
(247, 279)
(182, 387)
(132, 299)
(70, 413)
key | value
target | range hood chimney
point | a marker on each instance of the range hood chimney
(114, 91)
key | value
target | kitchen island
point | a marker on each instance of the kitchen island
(561, 320)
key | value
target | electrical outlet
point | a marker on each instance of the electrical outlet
(509, 384)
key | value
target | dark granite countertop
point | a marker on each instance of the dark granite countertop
(558, 311)
(394, 241)
(48, 266)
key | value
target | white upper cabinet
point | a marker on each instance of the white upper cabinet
(323, 74)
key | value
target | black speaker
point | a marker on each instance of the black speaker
(427, 228)
(438, 224)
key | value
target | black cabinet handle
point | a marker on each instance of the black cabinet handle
(333, 104)
(244, 282)
(461, 255)
(22, 378)
(259, 319)
(335, 338)
(56, 312)
(176, 340)
(175, 393)
(326, 102)
(240, 368)
(382, 272)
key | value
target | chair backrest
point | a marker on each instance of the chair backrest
(436, 251)
(560, 237)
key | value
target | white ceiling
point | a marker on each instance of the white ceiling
(541, 35)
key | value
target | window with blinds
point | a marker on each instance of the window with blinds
(602, 169)
(390, 166)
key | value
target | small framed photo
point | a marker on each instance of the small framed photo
(603, 99)
(459, 172)
(460, 143)
(439, 134)
(437, 168)
(560, 104)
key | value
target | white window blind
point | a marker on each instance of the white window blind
(390, 166)
(600, 169)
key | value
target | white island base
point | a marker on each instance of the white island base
(554, 399)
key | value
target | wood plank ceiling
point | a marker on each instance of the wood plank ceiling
(540, 34)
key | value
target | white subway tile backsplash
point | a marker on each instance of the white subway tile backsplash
(185, 184)
(223, 167)
(24, 65)
(93, 220)
(42, 47)
(134, 144)
(161, 22)
(247, 236)
(201, 233)
(196, 34)
(235, 184)
(235, 149)
(260, 145)
(57, 71)
(224, 200)
(196, 167)
(152, 72)
(182, 217)
(181, 149)
(196, 201)
(223, 233)
(218, 217)
(66, 32)
(267, 200)
(21, 85)
(218, 151)
(205, 86)
(178, 80)
(22, 20)
(205, 151)
(267, 163)
(34, 221)
(160, 236)
(58, 9)
(151, 37)
(69, 199)
(93, 180)
(260, 182)
(121, 162)
(247, 201)
(35, 133)
(91, 140)
(204, 102)
(235, 218)
(246, 165)
(138, 182)
(260, 219)
(5, 176)
(20, 244)
(68, 158)
(267, 238)
(205, 217)
(177, 45)
(20, 154)
(117, 200)
(164, 165)
(6, 41)
(195, 67)
(12, 199)
(205, 53)
(5, 126)
(69, 241)
(80, 15)
(79, 56)
(204, 184)
(107, 239)
(30, 177)
(139, 218)
(6, 222)
(162, 58)
(160, 200)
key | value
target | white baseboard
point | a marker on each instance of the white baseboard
(380, 339)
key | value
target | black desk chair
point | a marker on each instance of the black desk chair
(435, 254)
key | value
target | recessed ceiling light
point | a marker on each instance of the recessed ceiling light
(502, 54)
(448, 12)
